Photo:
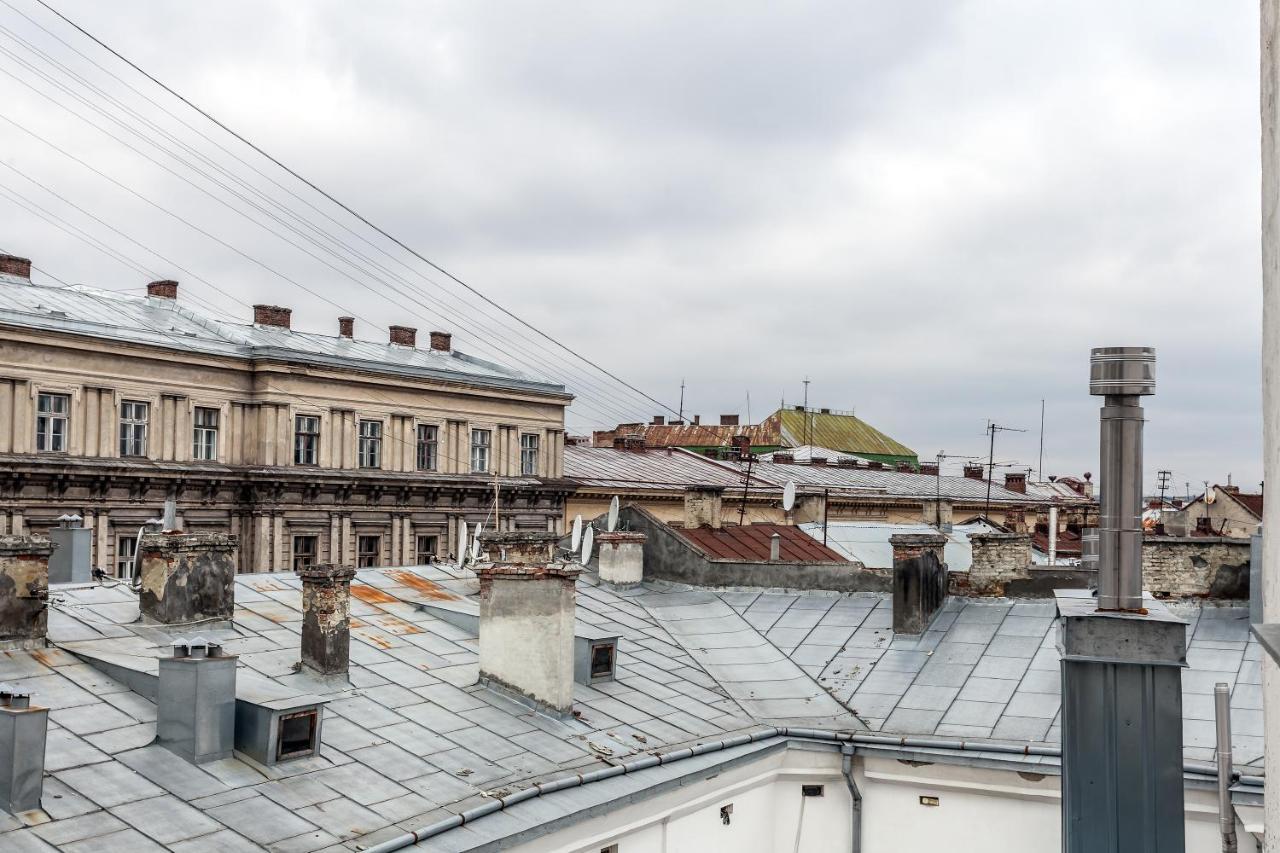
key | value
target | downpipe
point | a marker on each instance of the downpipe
(846, 766)
(1222, 720)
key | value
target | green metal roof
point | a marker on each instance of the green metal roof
(839, 431)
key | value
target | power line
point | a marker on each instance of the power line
(349, 210)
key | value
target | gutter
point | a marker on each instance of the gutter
(848, 740)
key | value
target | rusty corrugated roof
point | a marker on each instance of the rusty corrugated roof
(752, 542)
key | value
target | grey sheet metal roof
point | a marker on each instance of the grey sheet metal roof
(413, 738)
(890, 483)
(604, 467)
(163, 323)
(868, 541)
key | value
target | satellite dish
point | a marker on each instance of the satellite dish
(789, 496)
(1210, 496)
(475, 543)
(575, 538)
(588, 539)
(462, 541)
(613, 514)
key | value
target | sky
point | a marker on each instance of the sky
(930, 210)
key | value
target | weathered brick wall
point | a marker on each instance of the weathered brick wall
(1196, 566)
(997, 559)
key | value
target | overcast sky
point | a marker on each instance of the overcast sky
(932, 210)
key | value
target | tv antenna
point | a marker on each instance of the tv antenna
(680, 414)
(937, 503)
(1162, 482)
(992, 429)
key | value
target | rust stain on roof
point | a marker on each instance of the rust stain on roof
(267, 585)
(371, 595)
(373, 637)
(427, 588)
(52, 657)
(395, 625)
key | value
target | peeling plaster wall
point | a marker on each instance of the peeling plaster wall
(24, 589)
(187, 577)
(526, 636)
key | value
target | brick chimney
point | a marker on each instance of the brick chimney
(1016, 481)
(973, 471)
(919, 580)
(783, 458)
(346, 327)
(24, 591)
(697, 419)
(441, 341)
(326, 619)
(166, 289)
(817, 460)
(659, 420)
(271, 315)
(930, 468)
(728, 420)
(741, 446)
(404, 336)
(905, 468)
(15, 266)
(527, 616)
(702, 505)
(187, 577)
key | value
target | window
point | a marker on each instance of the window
(126, 548)
(133, 428)
(529, 454)
(427, 440)
(306, 440)
(296, 736)
(304, 552)
(206, 434)
(371, 444)
(51, 422)
(368, 551)
(427, 549)
(480, 441)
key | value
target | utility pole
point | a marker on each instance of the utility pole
(1162, 481)
(742, 511)
(993, 428)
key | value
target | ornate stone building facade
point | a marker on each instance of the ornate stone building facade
(311, 448)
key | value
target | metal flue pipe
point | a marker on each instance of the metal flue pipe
(1121, 375)
(1222, 720)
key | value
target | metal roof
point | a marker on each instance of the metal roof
(868, 542)
(890, 483)
(753, 542)
(840, 431)
(604, 467)
(167, 323)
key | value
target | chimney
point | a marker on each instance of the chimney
(15, 266)
(742, 446)
(919, 580)
(728, 420)
(817, 460)
(527, 617)
(702, 506)
(621, 556)
(404, 336)
(875, 466)
(24, 591)
(659, 420)
(196, 701)
(697, 419)
(973, 471)
(783, 458)
(187, 578)
(824, 411)
(441, 341)
(631, 442)
(775, 548)
(846, 462)
(23, 731)
(346, 327)
(905, 468)
(929, 468)
(326, 619)
(70, 561)
(166, 289)
(271, 315)
(1016, 481)
(1121, 654)
(1087, 488)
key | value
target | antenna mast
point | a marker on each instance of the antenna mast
(993, 428)
(1162, 481)
(680, 414)
(1040, 466)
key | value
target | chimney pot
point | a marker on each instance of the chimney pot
(441, 341)
(346, 327)
(404, 336)
(15, 266)
(271, 315)
(166, 289)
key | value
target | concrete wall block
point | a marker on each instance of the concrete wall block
(187, 578)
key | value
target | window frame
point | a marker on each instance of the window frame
(363, 556)
(419, 552)
(204, 437)
(369, 447)
(529, 455)
(46, 419)
(306, 442)
(481, 450)
(125, 542)
(312, 557)
(134, 432)
(430, 459)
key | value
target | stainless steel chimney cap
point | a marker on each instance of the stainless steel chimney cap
(1122, 371)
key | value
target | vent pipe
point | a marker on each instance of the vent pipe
(1120, 375)
(23, 732)
(196, 701)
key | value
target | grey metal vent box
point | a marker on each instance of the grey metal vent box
(270, 730)
(595, 655)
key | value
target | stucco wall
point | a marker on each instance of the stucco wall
(1196, 566)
